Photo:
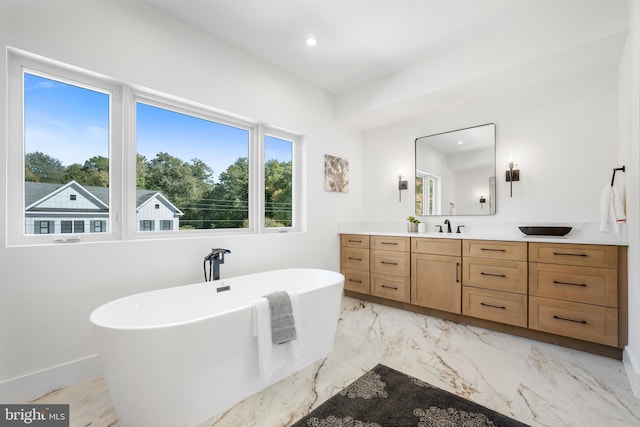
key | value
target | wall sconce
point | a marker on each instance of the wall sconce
(482, 201)
(512, 175)
(403, 184)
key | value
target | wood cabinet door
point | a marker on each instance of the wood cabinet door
(436, 282)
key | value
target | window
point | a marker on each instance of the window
(78, 226)
(98, 226)
(198, 164)
(147, 225)
(44, 227)
(427, 194)
(66, 141)
(196, 170)
(66, 226)
(278, 182)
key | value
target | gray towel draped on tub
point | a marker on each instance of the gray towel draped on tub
(283, 325)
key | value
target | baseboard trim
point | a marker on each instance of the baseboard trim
(632, 367)
(31, 386)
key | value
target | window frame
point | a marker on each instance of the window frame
(296, 178)
(19, 62)
(121, 224)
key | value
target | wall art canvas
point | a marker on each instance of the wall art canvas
(336, 174)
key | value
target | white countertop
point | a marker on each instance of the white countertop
(581, 233)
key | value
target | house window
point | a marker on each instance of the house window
(147, 225)
(44, 227)
(66, 226)
(78, 226)
(197, 161)
(98, 226)
(166, 225)
(278, 182)
(157, 205)
(72, 197)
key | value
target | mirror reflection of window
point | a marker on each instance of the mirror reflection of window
(428, 200)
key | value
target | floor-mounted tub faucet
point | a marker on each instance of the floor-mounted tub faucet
(448, 224)
(215, 258)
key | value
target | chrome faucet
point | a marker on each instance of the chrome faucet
(448, 224)
(215, 258)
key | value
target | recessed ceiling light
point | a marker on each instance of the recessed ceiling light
(460, 142)
(311, 41)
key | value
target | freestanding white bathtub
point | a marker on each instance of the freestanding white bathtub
(178, 356)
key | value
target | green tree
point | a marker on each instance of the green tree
(227, 204)
(277, 193)
(183, 183)
(40, 167)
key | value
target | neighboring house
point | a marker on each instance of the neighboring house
(73, 208)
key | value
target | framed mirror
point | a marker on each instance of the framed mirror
(456, 172)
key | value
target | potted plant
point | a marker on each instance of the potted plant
(412, 227)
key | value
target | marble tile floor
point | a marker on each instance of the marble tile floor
(537, 383)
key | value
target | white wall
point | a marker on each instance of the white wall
(629, 152)
(48, 292)
(563, 136)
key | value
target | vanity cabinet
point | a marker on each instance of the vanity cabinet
(390, 268)
(436, 280)
(354, 262)
(495, 281)
(574, 291)
(562, 293)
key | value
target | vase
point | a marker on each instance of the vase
(412, 227)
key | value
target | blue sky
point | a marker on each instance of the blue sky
(70, 123)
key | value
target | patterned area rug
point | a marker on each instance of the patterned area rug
(384, 397)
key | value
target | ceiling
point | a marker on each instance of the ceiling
(389, 60)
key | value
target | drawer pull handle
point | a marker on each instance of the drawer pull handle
(388, 263)
(355, 259)
(584, 285)
(565, 254)
(457, 272)
(494, 275)
(584, 322)
(389, 243)
(494, 250)
(501, 307)
(354, 241)
(355, 281)
(389, 287)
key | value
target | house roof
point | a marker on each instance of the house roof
(34, 191)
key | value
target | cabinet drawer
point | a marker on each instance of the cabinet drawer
(583, 255)
(394, 263)
(386, 243)
(390, 287)
(354, 259)
(356, 281)
(495, 249)
(354, 241)
(426, 245)
(582, 321)
(579, 284)
(503, 307)
(501, 275)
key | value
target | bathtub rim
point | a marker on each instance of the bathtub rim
(102, 326)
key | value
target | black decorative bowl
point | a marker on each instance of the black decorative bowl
(545, 231)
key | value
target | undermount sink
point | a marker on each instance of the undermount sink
(545, 230)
